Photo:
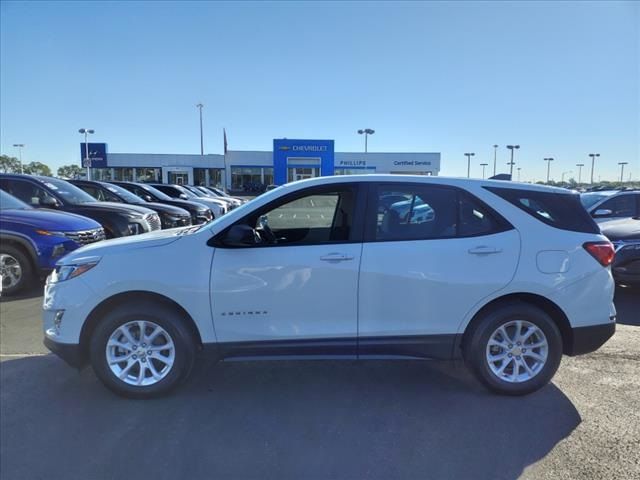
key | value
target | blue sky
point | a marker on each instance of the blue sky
(562, 79)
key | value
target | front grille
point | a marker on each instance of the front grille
(153, 221)
(84, 237)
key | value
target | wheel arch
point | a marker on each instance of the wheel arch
(127, 297)
(23, 244)
(550, 308)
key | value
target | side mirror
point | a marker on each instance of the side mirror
(147, 198)
(602, 212)
(49, 202)
(241, 236)
(183, 196)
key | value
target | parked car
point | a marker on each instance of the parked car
(199, 213)
(222, 194)
(178, 191)
(605, 205)
(625, 236)
(31, 241)
(507, 276)
(170, 216)
(118, 220)
(226, 203)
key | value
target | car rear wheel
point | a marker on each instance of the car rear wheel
(15, 269)
(514, 349)
(142, 350)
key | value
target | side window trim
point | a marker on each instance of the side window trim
(355, 236)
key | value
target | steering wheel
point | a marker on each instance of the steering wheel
(263, 226)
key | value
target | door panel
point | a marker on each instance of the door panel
(426, 287)
(290, 292)
(430, 254)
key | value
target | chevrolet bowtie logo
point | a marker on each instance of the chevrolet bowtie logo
(284, 147)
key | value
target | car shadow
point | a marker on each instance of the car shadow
(34, 290)
(277, 419)
(627, 302)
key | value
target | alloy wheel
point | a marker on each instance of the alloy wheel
(10, 271)
(140, 353)
(517, 351)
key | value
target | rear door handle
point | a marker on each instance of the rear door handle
(336, 257)
(484, 250)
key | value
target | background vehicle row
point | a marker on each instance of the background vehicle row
(32, 240)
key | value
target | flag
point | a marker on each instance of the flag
(224, 131)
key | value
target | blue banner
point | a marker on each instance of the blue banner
(97, 155)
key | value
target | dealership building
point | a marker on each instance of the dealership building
(238, 170)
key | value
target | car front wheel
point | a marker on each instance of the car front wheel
(15, 270)
(142, 351)
(514, 349)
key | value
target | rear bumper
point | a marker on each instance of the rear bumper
(589, 339)
(69, 352)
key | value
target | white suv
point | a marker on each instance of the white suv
(507, 276)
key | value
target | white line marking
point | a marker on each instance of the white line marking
(9, 355)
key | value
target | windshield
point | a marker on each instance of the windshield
(69, 193)
(590, 199)
(155, 192)
(10, 202)
(195, 191)
(123, 193)
(186, 191)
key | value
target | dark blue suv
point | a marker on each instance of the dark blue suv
(32, 240)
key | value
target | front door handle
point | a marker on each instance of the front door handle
(484, 250)
(336, 257)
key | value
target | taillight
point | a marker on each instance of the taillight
(603, 252)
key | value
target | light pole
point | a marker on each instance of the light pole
(519, 168)
(548, 160)
(593, 161)
(483, 165)
(564, 173)
(201, 136)
(579, 165)
(622, 164)
(511, 163)
(469, 155)
(366, 132)
(87, 160)
(495, 156)
(20, 146)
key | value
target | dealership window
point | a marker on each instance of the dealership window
(101, 174)
(216, 177)
(148, 174)
(354, 171)
(427, 172)
(251, 179)
(123, 174)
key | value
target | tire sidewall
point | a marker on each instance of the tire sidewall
(170, 321)
(476, 349)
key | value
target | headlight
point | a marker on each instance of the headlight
(67, 272)
(51, 233)
(171, 221)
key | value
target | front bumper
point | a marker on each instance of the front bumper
(69, 352)
(589, 339)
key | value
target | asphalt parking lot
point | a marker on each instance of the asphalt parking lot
(298, 420)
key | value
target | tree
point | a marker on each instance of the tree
(37, 168)
(70, 171)
(9, 164)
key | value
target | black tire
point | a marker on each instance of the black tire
(166, 317)
(477, 338)
(26, 269)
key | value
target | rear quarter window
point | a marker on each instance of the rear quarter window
(560, 210)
